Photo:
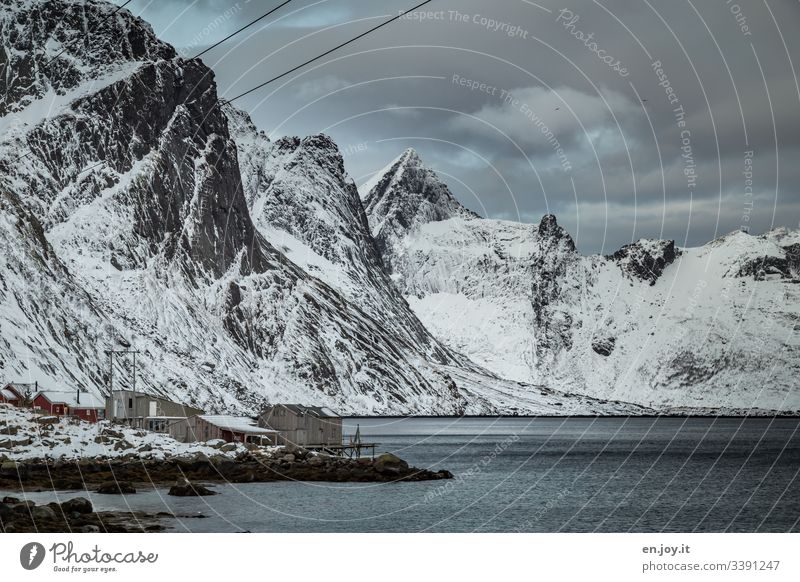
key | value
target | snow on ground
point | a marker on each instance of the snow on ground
(517, 398)
(495, 334)
(69, 438)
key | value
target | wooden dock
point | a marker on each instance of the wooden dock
(352, 451)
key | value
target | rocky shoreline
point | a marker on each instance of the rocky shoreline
(74, 516)
(185, 474)
(246, 467)
(40, 453)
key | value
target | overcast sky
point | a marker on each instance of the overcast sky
(573, 117)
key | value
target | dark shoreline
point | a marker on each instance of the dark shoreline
(81, 474)
(123, 476)
(794, 416)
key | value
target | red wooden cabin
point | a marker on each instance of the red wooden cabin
(10, 394)
(80, 404)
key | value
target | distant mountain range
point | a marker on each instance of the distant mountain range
(137, 211)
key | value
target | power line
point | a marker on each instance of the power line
(241, 29)
(101, 22)
(337, 47)
(273, 79)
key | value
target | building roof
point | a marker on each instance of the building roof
(136, 393)
(18, 388)
(301, 410)
(8, 394)
(235, 423)
(70, 398)
(139, 394)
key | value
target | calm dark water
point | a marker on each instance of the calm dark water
(538, 475)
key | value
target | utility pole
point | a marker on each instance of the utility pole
(111, 367)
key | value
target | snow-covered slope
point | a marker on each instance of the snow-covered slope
(711, 331)
(50, 325)
(304, 203)
(713, 327)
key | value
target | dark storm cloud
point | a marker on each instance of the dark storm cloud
(573, 137)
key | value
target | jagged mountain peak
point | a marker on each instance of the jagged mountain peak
(551, 234)
(408, 158)
(320, 142)
(548, 226)
(407, 174)
(407, 195)
(54, 46)
(319, 150)
(646, 259)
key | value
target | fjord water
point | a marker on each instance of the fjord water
(533, 474)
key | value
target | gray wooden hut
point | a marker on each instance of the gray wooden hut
(206, 427)
(145, 410)
(303, 425)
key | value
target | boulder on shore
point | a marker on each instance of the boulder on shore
(42, 513)
(6, 512)
(184, 488)
(77, 505)
(13, 468)
(389, 464)
(116, 488)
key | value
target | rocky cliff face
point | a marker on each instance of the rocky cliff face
(305, 204)
(52, 47)
(646, 259)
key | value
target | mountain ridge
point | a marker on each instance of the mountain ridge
(521, 301)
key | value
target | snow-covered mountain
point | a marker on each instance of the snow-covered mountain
(139, 212)
(304, 203)
(713, 327)
(135, 179)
